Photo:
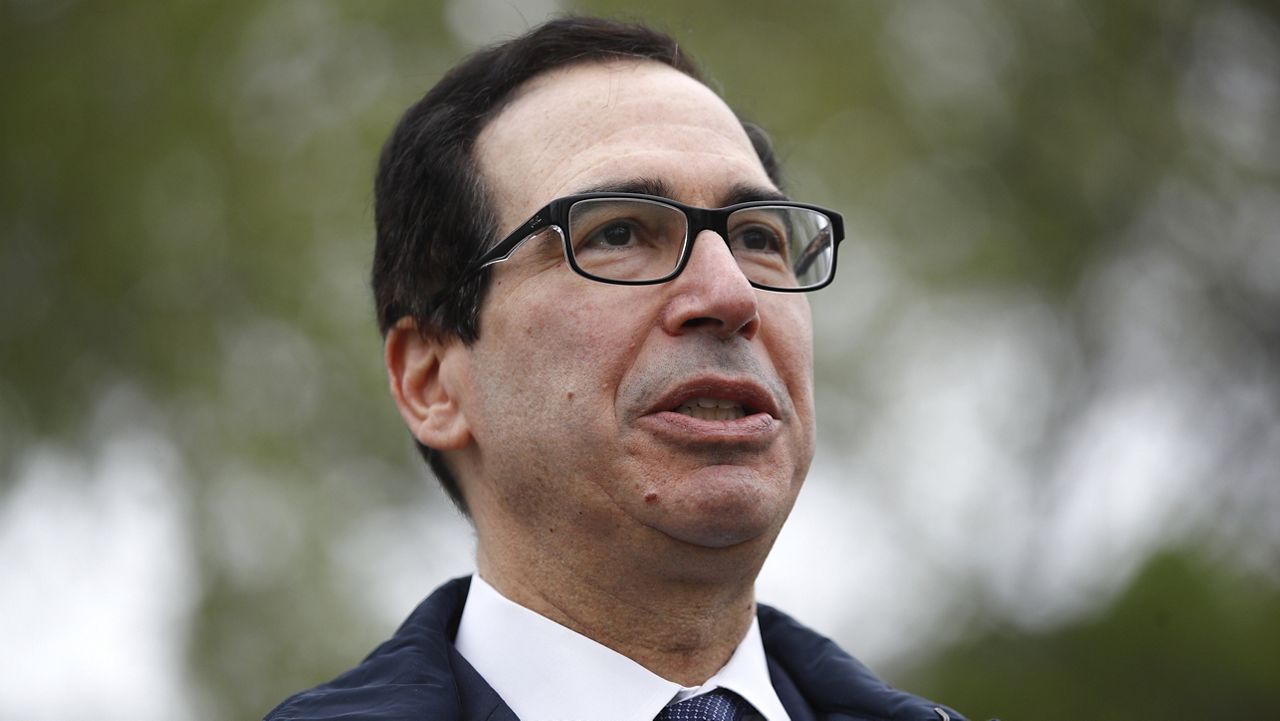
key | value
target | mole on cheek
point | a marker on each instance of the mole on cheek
(650, 498)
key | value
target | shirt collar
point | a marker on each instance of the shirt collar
(747, 674)
(547, 672)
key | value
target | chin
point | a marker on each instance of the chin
(729, 555)
(716, 534)
(722, 507)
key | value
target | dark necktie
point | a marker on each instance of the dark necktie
(718, 705)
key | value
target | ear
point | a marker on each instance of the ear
(428, 376)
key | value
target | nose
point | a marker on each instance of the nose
(711, 295)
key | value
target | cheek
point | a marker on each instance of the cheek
(789, 331)
(544, 419)
(790, 344)
(584, 346)
(555, 356)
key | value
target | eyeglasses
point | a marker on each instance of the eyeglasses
(636, 239)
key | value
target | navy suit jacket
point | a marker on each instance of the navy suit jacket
(419, 676)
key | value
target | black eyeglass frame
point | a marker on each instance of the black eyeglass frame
(555, 215)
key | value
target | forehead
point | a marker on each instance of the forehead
(597, 124)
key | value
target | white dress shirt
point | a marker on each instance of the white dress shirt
(547, 672)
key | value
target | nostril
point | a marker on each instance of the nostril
(702, 322)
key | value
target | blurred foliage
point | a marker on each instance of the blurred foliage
(185, 230)
(1189, 639)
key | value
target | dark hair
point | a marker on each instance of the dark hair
(432, 212)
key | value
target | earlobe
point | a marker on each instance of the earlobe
(425, 380)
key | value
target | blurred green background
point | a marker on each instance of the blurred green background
(1048, 484)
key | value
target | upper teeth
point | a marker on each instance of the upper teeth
(712, 409)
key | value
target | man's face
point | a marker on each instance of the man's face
(575, 388)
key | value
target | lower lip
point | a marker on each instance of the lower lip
(755, 428)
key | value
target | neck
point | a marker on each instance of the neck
(680, 628)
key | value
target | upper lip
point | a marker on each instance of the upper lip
(753, 397)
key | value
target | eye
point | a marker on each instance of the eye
(617, 234)
(613, 235)
(758, 239)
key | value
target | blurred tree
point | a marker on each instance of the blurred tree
(1064, 222)
(1189, 639)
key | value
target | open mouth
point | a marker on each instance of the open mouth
(713, 409)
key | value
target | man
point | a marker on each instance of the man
(613, 382)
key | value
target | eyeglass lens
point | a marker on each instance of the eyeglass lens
(633, 239)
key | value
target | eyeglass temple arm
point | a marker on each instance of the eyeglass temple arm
(439, 296)
(812, 251)
(515, 246)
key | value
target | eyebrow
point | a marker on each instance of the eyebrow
(743, 193)
(738, 193)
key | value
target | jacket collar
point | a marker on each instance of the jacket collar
(418, 674)
(811, 670)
